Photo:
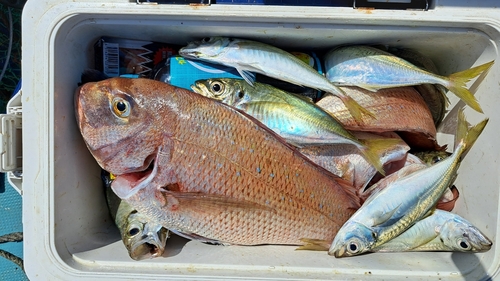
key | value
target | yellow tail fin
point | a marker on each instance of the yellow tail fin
(314, 245)
(467, 137)
(355, 108)
(374, 149)
(457, 84)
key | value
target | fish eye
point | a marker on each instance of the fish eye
(353, 247)
(217, 88)
(205, 40)
(133, 231)
(437, 159)
(121, 107)
(464, 244)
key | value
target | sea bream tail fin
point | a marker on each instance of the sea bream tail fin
(374, 149)
(314, 245)
(467, 137)
(457, 84)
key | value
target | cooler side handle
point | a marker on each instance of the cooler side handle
(11, 142)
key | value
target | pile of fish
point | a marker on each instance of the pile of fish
(245, 163)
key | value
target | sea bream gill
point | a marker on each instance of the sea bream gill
(389, 212)
(373, 69)
(205, 170)
(295, 118)
(250, 57)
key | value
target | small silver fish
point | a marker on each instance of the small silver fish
(250, 56)
(434, 95)
(373, 69)
(143, 236)
(441, 231)
(389, 212)
(295, 118)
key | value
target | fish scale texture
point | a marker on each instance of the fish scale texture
(226, 176)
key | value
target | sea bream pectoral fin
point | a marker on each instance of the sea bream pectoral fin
(199, 202)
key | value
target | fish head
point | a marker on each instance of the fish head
(460, 235)
(144, 238)
(432, 157)
(352, 239)
(117, 121)
(209, 48)
(227, 90)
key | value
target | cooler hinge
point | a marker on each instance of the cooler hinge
(392, 4)
(11, 142)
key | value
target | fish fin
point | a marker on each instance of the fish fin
(351, 191)
(467, 137)
(355, 109)
(457, 84)
(196, 237)
(348, 172)
(207, 203)
(314, 245)
(374, 149)
(247, 75)
(381, 218)
(304, 98)
(368, 87)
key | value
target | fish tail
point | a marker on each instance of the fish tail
(374, 149)
(355, 109)
(457, 84)
(467, 137)
(314, 245)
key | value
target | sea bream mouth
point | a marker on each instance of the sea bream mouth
(126, 185)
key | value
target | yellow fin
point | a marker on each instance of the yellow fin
(374, 149)
(314, 245)
(355, 109)
(467, 137)
(457, 84)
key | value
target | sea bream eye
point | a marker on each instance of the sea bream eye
(121, 107)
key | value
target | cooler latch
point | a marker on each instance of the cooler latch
(11, 142)
(392, 4)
